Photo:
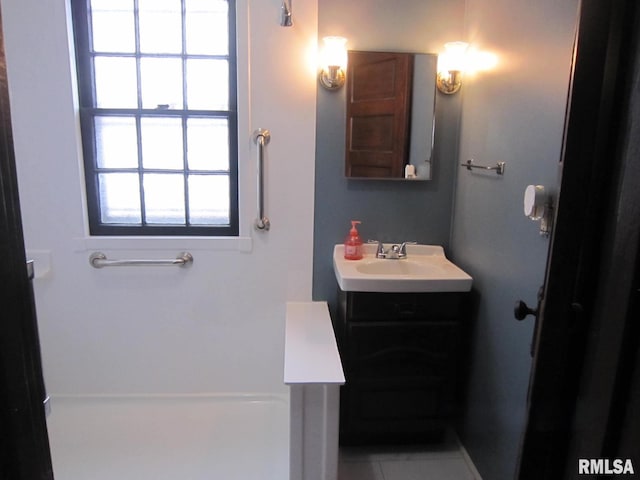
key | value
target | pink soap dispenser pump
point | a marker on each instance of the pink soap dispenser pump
(353, 243)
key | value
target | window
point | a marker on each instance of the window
(157, 88)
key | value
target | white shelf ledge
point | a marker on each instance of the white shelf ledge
(310, 352)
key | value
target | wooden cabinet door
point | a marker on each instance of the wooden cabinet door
(378, 112)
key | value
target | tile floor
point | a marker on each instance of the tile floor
(446, 461)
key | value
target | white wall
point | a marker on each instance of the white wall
(513, 113)
(216, 327)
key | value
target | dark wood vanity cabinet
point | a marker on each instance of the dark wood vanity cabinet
(401, 353)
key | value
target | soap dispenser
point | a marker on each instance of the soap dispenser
(353, 243)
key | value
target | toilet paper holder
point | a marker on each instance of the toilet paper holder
(538, 207)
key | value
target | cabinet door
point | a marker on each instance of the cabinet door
(379, 414)
(378, 113)
(401, 351)
(400, 377)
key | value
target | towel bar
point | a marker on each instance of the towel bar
(499, 167)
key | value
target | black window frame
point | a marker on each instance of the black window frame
(88, 111)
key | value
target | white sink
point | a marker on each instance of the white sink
(425, 269)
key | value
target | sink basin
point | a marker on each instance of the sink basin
(404, 267)
(425, 269)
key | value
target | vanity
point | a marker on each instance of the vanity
(401, 327)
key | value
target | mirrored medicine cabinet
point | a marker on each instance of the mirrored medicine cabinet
(390, 115)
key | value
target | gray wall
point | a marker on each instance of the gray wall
(515, 114)
(391, 211)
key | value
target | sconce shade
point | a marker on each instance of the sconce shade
(333, 62)
(334, 52)
(451, 65)
(455, 56)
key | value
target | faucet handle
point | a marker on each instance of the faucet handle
(379, 249)
(403, 247)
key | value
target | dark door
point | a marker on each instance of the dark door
(24, 445)
(378, 113)
(586, 338)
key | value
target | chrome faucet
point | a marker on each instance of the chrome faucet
(394, 252)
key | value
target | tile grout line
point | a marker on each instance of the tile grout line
(380, 470)
(467, 459)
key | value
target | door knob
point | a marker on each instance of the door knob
(521, 310)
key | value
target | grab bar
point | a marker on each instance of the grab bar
(99, 260)
(499, 167)
(262, 139)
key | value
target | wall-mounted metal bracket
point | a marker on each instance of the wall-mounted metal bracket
(546, 220)
(285, 14)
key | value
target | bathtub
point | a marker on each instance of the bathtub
(170, 437)
(213, 436)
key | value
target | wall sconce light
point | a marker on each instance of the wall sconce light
(333, 63)
(451, 66)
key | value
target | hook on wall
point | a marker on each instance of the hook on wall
(285, 14)
(538, 207)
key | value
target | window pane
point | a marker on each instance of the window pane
(209, 199)
(161, 83)
(119, 198)
(162, 143)
(116, 85)
(109, 16)
(164, 198)
(160, 26)
(116, 142)
(208, 144)
(207, 30)
(208, 84)
(155, 77)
